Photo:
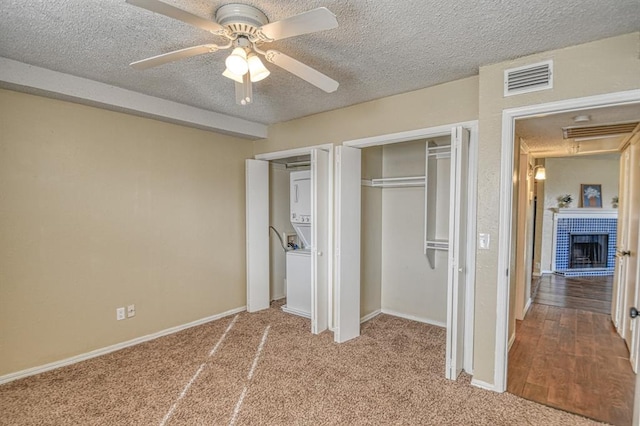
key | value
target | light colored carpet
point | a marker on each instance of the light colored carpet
(392, 374)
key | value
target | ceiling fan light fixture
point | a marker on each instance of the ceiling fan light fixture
(257, 70)
(237, 62)
(232, 76)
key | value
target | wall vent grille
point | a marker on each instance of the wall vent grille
(598, 131)
(529, 78)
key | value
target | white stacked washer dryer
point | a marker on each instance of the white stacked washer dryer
(299, 261)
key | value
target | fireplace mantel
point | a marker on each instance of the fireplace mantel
(585, 213)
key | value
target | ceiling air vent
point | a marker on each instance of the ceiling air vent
(529, 78)
(598, 131)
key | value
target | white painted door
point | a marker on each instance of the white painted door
(618, 302)
(319, 250)
(630, 252)
(347, 251)
(457, 251)
(257, 228)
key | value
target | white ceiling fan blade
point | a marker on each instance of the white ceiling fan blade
(301, 70)
(154, 61)
(319, 19)
(179, 14)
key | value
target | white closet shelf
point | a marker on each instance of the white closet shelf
(436, 245)
(439, 151)
(395, 182)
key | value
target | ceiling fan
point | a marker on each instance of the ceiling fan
(246, 29)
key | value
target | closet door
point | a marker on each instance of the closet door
(347, 253)
(457, 251)
(257, 228)
(319, 227)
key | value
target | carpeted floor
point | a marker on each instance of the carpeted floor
(268, 369)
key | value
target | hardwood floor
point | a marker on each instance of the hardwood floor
(567, 354)
(584, 293)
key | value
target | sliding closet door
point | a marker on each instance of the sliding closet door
(257, 228)
(320, 227)
(457, 251)
(347, 253)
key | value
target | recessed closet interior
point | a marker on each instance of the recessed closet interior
(405, 229)
(282, 232)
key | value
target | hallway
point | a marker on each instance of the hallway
(567, 354)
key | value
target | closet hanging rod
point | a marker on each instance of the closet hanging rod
(439, 155)
(439, 148)
(395, 182)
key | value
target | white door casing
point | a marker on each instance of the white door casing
(347, 251)
(319, 250)
(509, 117)
(457, 252)
(257, 229)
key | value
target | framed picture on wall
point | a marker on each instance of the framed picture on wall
(591, 195)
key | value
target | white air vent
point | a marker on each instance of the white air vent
(529, 78)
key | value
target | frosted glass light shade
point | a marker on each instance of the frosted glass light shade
(237, 62)
(541, 173)
(232, 76)
(257, 70)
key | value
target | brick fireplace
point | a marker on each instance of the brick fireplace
(584, 242)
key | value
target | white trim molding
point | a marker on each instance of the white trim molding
(27, 78)
(483, 385)
(414, 318)
(370, 316)
(410, 135)
(509, 117)
(103, 351)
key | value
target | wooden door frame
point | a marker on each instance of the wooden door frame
(509, 117)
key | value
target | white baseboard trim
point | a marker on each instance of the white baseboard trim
(526, 307)
(536, 273)
(546, 272)
(483, 385)
(103, 351)
(278, 297)
(511, 340)
(372, 315)
(414, 318)
(288, 310)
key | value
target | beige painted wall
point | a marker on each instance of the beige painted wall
(539, 207)
(599, 67)
(443, 104)
(564, 176)
(409, 285)
(99, 210)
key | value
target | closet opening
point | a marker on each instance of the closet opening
(417, 207)
(288, 232)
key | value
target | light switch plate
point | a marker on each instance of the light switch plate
(484, 241)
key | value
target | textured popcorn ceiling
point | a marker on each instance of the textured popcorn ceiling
(381, 47)
(543, 135)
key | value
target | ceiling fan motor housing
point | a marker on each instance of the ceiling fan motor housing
(241, 19)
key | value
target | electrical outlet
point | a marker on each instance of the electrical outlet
(120, 314)
(131, 311)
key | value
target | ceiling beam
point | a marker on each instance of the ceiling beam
(23, 77)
